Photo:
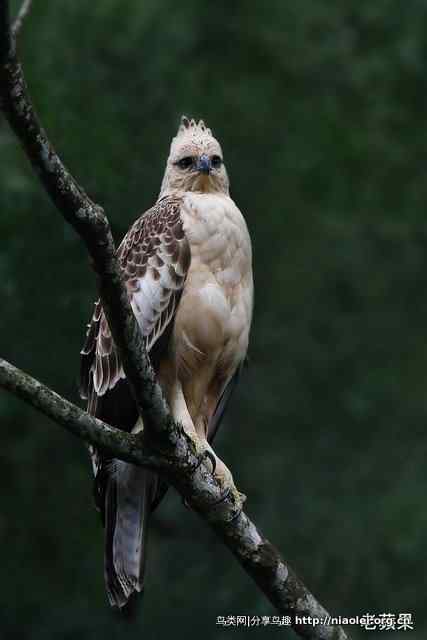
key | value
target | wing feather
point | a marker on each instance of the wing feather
(154, 257)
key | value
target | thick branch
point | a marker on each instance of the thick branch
(184, 464)
(255, 553)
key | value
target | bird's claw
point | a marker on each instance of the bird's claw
(208, 454)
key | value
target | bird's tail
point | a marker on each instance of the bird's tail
(128, 498)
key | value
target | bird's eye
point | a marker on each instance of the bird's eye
(216, 162)
(185, 163)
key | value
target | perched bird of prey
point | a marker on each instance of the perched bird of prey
(187, 266)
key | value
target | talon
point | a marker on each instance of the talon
(212, 458)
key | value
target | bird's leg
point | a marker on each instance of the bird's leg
(175, 397)
(179, 409)
(197, 432)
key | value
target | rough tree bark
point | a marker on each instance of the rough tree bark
(164, 445)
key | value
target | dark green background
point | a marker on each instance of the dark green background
(321, 110)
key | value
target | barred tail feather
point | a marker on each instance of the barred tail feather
(128, 499)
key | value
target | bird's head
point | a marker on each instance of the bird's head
(195, 161)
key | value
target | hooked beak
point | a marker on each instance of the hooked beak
(204, 165)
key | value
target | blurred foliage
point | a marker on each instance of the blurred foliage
(320, 107)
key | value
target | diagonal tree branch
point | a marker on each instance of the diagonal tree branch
(251, 548)
(89, 221)
(22, 14)
(183, 462)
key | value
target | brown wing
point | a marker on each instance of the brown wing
(154, 256)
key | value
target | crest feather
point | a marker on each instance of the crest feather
(191, 126)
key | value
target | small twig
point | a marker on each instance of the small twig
(22, 14)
